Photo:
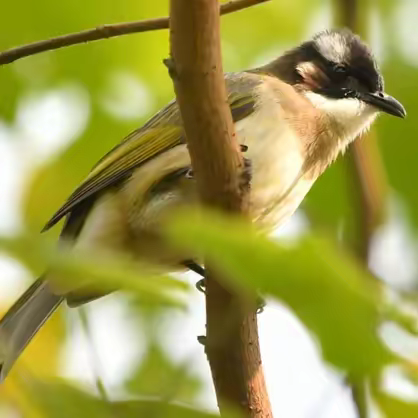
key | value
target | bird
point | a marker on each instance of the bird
(292, 116)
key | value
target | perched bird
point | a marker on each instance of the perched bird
(293, 117)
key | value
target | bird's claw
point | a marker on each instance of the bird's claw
(189, 174)
(261, 303)
(200, 286)
(201, 339)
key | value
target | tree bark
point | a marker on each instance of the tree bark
(231, 344)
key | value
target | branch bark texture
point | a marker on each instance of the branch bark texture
(195, 66)
(106, 31)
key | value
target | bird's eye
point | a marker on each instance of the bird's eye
(340, 69)
(339, 73)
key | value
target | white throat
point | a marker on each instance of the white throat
(352, 116)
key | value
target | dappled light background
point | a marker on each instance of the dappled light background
(61, 111)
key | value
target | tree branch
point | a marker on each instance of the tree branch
(232, 343)
(106, 31)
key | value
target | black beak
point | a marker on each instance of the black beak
(384, 103)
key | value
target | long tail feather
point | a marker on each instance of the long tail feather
(23, 320)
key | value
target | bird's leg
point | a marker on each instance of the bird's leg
(192, 265)
(198, 269)
(246, 177)
(200, 285)
(190, 174)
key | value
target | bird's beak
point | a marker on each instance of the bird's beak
(385, 103)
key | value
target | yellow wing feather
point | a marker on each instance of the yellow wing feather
(119, 164)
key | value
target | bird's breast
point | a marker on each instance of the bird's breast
(277, 156)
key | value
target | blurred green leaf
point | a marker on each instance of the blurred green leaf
(157, 375)
(341, 219)
(98, 271)
(332, 295)
(60, 400)
(393, 407)
(398, 137)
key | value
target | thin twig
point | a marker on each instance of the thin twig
(107, 31)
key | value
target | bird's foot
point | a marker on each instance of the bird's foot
(200, 286)
(260, 303)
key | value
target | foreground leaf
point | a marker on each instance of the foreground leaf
(63, 401)
(330, 293)
(157, 375)
(99, 271)
(393, 407)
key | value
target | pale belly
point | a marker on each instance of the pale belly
(278, 183)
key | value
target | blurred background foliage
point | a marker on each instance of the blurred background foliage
(61, 111)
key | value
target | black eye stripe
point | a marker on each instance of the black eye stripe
(339, 72)
(365, 80)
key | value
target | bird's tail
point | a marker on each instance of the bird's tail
(23, 320)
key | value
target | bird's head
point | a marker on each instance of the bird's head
(337, 72)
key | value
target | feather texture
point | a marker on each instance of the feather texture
(161, 133)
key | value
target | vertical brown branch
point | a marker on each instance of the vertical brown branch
(196, 68)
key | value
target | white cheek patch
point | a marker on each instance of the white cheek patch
(352, 115)
(341, 109)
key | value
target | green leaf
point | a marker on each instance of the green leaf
(157, 375)
(342, 217)
(73, 270)
(395, 407)
(60, 400)
(332, 295)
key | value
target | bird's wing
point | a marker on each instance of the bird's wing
(160, 133)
